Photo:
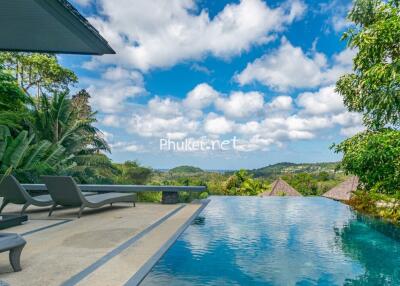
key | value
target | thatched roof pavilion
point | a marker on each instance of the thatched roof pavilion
(281, 188)
(343, 191)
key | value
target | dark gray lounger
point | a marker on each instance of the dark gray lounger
(14, 243)
(65, 192)
(13, 192)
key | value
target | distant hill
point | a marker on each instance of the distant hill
(276, 170)
(186, 169)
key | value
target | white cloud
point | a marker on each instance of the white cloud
(116, 86)
(289, 67)
(83, 3)
(148, 34)
(281, 103)
(125, 146)
(352, 130)
(150, 126)
(324, 101)
(200, 97)
(241, 104)
(111, 120)
(348, 118)
(218, 124)
(164, 107)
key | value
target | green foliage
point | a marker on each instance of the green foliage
(132, 173)
(276, 170)
(374, 86)
(186, 169)
(26, 157)
(241, 183)
(374, 156)
(58, 120)
(379, 205)
(304, 183)
(13, 100)
(39, 73)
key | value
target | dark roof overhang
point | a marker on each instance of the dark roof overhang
(50, 26)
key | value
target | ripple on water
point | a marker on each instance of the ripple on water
(280, 241)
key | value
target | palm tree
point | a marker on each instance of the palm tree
(57, 121)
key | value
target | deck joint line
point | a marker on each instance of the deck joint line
(139, 276)
(103, 260)
(46, 227)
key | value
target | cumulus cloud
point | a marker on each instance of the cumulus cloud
(125, 146)
(116, 86)
(164, 107)
(111, 120)
(150, 126)
(290, 67)
(281, 103)
(215, 124)
(257, 124)
(241, 104)
(200, 97)
(150, 34)
(83, 3)
(323, 101)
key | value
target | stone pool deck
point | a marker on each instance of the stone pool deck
(115, 245)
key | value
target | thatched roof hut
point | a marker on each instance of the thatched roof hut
(342, 192)
(281, 188)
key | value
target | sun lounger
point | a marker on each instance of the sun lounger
(65, 192)
(14, 243)
(13, 192)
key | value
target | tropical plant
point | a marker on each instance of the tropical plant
(374, 86)
(56, 120)
(374, 156)
(20, 153)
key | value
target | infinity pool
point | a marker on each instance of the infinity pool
(281, 241)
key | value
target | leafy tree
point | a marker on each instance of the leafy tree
(304, 183)
(132, 173)
(13, 110)
(242, 183)
(37, 74)
(374, 156)
(374, 86)
(80, 103)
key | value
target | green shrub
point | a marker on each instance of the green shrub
(374, 156)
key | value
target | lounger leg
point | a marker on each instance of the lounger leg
(14, 256)
(25, 207)
(3, 205)
(80, 211)
(111, 204)
(53, 207)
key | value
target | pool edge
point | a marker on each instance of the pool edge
(141, 274)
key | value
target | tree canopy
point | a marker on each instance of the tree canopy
(373, 88)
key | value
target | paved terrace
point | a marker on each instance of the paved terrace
(115, 245)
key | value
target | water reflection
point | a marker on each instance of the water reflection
(279, 241)
(374, 245)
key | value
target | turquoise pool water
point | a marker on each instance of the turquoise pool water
(281, 241)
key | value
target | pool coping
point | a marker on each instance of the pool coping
(78, 277)
(141, 274)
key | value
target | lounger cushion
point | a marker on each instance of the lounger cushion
(10, 240)
(43, 198)
(108, 196)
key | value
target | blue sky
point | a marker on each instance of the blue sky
(261, 73)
